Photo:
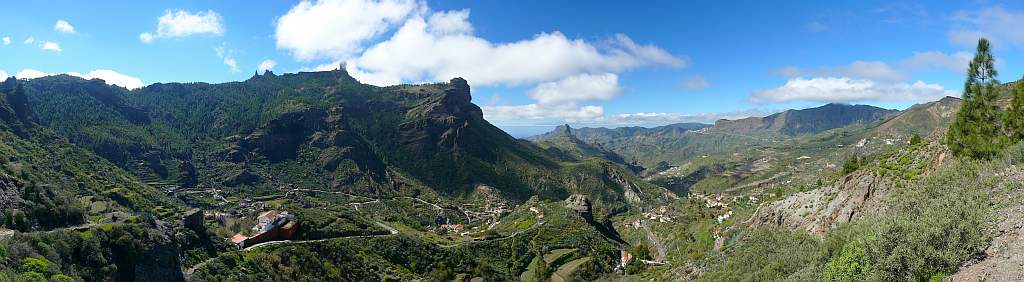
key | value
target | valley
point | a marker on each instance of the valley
(315, 176)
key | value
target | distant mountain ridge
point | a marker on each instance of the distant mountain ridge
(679, 142)
(562, 142)
(812, 120)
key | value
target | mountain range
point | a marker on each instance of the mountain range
(410, 182)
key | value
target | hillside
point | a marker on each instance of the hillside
(320, 145)
(562, 142)
(676, 144)
(804, 121)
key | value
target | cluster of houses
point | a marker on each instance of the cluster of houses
(270, 226)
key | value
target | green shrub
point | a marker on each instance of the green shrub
(61, 278)
(852, 164)
(34, 265)
(33, 277)
(851, 265)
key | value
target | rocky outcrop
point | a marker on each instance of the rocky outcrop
(580, 204)
(10, 197)
(817, 211)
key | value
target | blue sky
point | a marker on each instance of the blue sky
(533, 64)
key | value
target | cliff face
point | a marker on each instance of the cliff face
(818, 211)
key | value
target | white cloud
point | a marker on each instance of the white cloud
(3, 74)
(336, 29)
(30, 40)
(266, 65)
(227, 55)
(873, 70)
(451, 22)
(108, 76)
(389, 42)
(844, 89)
(7, 40)
(112, 78)
(560, 99)
(999, 25)
(146, 37)
(955, 62)
(181, 23)
(669, 118)
(887, 72)
(30, 74)
(232, 64)
(64, 26)
(576, 89)
(415, 54)
(499, 114)
(50, 46)
(695, 83)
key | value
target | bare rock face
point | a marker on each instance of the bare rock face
(9, 195)
(820, 210)
(579, 203)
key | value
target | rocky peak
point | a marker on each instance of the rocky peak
(458, 100)
(563, 130)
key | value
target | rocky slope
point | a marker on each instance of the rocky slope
(860, 194)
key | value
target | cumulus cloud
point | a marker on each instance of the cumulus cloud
(337, 29)
(414, 53)
(7, 40)
(30, 40)
(695, 83)
(266, 65)
(108, 76)
(845, 89)
(874, 70)
(561, 99)
(50, 46)
(181, 23)
(886, 72)
(955, 62)
(576, 89)
(386, 42)
(538, 112)
(64, 26)
(3, 74)
(999, 25)
(30, 74)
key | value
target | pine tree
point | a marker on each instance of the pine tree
(1014, 118)
(976, 131)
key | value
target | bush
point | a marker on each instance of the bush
(61, 278)
(33, 277)
(34, 265)
(851, 265)
(852, 164)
